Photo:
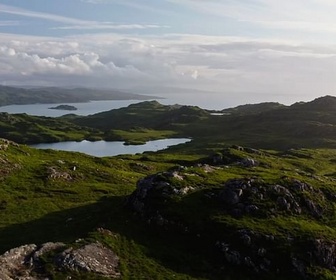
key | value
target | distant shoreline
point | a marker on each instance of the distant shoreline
(53, 95)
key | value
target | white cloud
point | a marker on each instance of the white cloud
(230, 65)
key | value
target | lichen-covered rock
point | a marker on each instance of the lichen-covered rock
(53, 173)
(248, 162)
(226, 216)
(13, 263)
(25, 262)
(325, 253)
(92, 257)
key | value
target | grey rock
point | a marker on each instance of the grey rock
(299, 266)
(90, 258)
(325, 253)
(229, 196)
(24, 263)
(233, 257)
(249, 162)
(12, 263)
(251, 209)
(283, 204)
(45, 248)
(239, 148)
(262, 252)
(246, 239)
(314, 209)
(249, 263)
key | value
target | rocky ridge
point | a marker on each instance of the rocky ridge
(265, 252)
(26, 262)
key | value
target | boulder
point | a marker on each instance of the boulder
(92, 257)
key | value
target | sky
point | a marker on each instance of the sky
(245, 51)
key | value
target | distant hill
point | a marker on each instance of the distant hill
(302, 125)
(253, 108)
(325, 103)
(147, 114)
(15, 95)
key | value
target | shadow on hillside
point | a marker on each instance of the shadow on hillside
(172, 250)
(66, 225)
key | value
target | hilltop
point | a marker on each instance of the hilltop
(253, 108)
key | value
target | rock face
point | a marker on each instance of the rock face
(90, 258)
(6, 165)
(4, 144)
(13, 263)
(262, 253)
(24, 263)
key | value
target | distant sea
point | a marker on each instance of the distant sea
(93, 107)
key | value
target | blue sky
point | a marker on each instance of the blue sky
(248, 50)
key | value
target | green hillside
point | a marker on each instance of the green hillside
(252, 196)
(239, 212)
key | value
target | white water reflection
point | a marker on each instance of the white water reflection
(111, 148)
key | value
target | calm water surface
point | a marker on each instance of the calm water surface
(214, 102)
(111, 148)
(84, 109)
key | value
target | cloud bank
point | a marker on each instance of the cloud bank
(228, 65)
(279, 57)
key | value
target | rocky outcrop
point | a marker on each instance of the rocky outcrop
(325, 253)
(13, 263)
(54, 173)
(92, 257)
(228, 156)
(238, 197)
(259, 252)
(25, 262)
(253, 196)
(6, 165)
(5, 144)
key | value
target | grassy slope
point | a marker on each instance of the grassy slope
(35, 208)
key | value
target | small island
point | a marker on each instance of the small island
(64, 107)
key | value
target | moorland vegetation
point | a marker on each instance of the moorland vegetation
(253, 195)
